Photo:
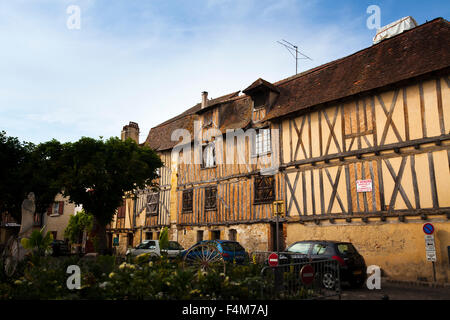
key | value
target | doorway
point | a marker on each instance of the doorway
(215, 235)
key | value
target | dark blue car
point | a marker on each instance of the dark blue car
(231, 251)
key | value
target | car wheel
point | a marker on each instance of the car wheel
(329, 280)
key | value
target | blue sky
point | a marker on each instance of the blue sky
(149, 60)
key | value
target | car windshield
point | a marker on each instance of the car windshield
(300, 247)
(346, 248)
(232, 246)
(147, 245)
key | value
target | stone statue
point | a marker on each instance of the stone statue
(28, 211)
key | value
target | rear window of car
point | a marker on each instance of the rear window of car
(147, 245)
(232, 246)
(173, 245)
(346, 248)
(300, 247)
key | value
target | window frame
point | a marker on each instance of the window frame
(190, 208)
(210, 197)
(152, 203)
(265, 142)
(268, 188)
(204, 163)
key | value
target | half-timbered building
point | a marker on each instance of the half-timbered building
(365, 151)
(358, 149)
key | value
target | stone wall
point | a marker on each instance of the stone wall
(398, 248)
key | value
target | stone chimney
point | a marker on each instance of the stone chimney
(204, 99)
(131, 130)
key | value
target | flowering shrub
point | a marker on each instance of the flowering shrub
(105, 277)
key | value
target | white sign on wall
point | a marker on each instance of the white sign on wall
(364, 185)
(430, 248)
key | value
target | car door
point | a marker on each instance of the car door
(145, 247)
(174, 249)
(318, 251)
(299, 251)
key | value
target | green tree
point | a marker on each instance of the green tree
(78, 223)
(97, 174)
(24, 168)
(13, 157)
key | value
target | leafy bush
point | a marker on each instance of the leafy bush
(106, 277)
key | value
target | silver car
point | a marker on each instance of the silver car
(153, 247)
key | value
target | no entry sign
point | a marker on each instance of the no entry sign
(273, 259)
(428, 228)
(307, 274)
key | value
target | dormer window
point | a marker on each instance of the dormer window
(264, 95)
(260, 99)
(207, 119)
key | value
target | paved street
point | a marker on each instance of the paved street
(397, 292)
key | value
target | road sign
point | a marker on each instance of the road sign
(273, 259)
(430, 247)
(278, 208)
(431, 256)
(428, 228)
(429, 243)
(307, 274)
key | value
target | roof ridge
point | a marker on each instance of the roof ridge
(187, 113)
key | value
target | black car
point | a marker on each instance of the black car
(60, 248)
(352, 267)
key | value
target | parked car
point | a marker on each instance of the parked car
(60, 248)
(153, 247)
(352, 267)
(231, 251)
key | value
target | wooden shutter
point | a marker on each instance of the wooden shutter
(50, 209)
(61, 207)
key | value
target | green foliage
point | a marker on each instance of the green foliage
(78, 223)
(106, 278)
(24, 168)
(38, 243)
(97, 173)
(164, 239)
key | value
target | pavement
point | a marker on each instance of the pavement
(397, 291)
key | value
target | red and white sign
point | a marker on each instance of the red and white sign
(364, 185)
(273, 260)
(307, 274)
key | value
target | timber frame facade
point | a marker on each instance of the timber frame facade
(362, 154)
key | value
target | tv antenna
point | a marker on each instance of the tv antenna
(294, 49)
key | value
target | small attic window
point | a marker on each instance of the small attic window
(260, 99)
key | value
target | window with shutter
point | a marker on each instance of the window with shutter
(152, 204)
(187, 201)
(211, 198)
(264, 189)
(61, 207)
